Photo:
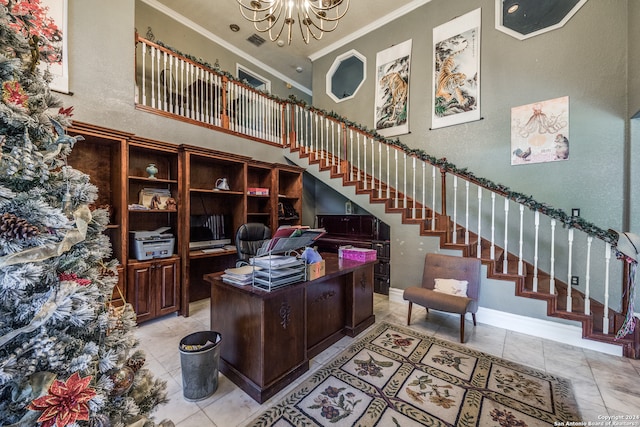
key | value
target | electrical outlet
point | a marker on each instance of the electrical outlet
(575, 280)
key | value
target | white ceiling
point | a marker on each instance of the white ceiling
(212, 18)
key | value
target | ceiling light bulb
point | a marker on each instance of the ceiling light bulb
(513, 8)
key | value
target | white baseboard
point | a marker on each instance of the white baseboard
(546, 329)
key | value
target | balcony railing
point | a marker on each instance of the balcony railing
(176, 85)
(543, 249)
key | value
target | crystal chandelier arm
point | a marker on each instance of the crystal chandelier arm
(256, 6)
(312, 19)
(308, 29)
(320, 11)
(272, 13)
(312, 15)
(277, 36)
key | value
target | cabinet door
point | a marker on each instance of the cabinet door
(153, 288)
(139, 282)
(166, 284)
(283, 325)
(361, 298)
(325, 310)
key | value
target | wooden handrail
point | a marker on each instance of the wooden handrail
(264, 118)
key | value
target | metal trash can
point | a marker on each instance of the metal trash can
(199, 359)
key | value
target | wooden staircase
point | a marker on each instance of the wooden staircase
(436, 225)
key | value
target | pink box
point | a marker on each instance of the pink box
(359, 254)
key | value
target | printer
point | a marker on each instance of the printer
(146, 245)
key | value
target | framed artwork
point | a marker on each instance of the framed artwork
(540, 132)
(456, 71)
(58, 11)
(391, 114)
(156, 198)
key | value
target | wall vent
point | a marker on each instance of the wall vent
(256, 40)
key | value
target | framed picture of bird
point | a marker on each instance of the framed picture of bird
(540, 132)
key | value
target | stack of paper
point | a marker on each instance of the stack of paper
(274, 262)
(239, 275)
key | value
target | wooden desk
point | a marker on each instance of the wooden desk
(269, 337)
(201, 263)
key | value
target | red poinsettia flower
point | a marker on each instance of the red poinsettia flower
(66, 402)
(13, 93)
(68, 112)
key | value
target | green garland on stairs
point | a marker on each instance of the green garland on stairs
(567, 220)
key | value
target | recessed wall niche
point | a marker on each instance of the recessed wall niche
(346, 75)
(523, 19)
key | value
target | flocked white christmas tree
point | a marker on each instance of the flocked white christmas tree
(67, 356)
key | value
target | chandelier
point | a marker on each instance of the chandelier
(314, 17)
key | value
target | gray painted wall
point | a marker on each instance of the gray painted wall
(633, 54)
(586, 60)
(101, 70)
(633, 152)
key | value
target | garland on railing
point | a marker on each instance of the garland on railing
(567, 220)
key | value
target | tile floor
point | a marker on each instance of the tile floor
(604, 385)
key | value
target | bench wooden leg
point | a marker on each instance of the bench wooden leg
(409, 313)
(462, 328)
(474, 318)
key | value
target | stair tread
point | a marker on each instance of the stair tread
(519, 273)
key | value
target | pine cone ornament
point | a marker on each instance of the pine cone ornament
(136, 363)
(14, 227)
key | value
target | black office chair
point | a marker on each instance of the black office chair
(249, 238)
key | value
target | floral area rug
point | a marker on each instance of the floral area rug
(398, 377)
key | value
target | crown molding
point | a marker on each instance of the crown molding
(410, 7)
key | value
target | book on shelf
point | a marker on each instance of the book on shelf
(257, 191)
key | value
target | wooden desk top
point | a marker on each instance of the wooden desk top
(334, 267)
